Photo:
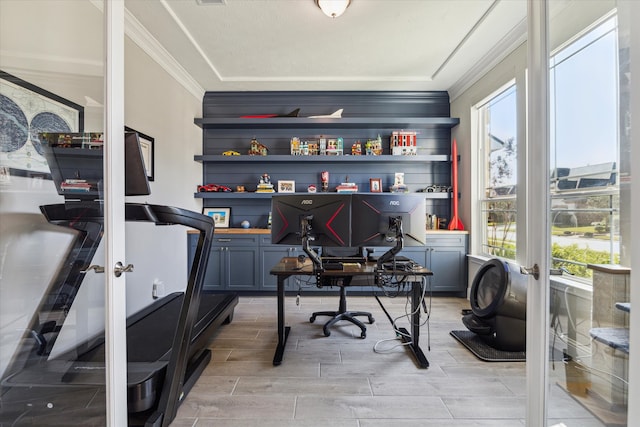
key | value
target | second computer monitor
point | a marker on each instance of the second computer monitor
(375, 215)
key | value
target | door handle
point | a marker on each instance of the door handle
(559, 271)
(535, 271)
(96, 268)
(119, 269)
(532, 271)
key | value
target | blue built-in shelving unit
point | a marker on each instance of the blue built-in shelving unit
(365, 116)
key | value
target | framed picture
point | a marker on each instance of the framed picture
(286, 186)
(375, 185)
(399, 179)
(146, 146)
(221, 216)
(27, 110)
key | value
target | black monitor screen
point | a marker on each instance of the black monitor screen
(373, 213)
(76, 164)
(329, 217)
(136, 181)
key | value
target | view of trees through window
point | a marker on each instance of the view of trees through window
(584, 151)
(498, 120)
(584, 157)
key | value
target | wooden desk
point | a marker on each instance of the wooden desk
(292, 267)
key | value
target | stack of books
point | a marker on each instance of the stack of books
(347, 187)
(75, 186)
(265, 187)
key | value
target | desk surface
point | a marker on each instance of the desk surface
(291, 266)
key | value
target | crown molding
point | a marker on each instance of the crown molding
(150, 45)
(516, 37)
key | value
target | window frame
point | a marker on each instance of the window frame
(479, 112)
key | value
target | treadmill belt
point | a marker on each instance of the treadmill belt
(150, 333)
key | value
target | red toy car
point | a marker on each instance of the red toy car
(213, 188)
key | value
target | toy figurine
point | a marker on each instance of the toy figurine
(265, 186)
(324, 177)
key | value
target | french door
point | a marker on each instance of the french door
(596, 370)
(60, 299)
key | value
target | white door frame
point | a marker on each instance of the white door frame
(537, 211)
(632, 14)
(114, 230)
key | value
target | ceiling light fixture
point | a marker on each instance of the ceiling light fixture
(333, 8)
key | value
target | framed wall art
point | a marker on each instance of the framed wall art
(221, 216)
(25, 111)
(148, 151)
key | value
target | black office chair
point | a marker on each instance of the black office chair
(342, 313)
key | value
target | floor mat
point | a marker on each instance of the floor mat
(483, 351)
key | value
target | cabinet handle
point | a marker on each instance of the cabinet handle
(224, 240)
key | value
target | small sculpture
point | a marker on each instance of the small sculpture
(324, 178)
(257, 149)
(265, 186)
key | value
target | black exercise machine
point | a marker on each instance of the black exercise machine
(166, 341)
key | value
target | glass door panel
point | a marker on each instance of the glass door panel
(589, 287)
(52, 280)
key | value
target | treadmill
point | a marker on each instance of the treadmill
(167, 342)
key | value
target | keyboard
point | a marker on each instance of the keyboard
(337, 263)
(344, 259)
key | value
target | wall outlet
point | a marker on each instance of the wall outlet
(157, 289)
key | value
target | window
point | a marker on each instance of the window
(585, 199)
(498, 148)
(584, 151)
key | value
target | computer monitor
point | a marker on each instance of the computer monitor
(388, 219)
(76, 164)
(373, 216)
(326, 218)
(136, 181)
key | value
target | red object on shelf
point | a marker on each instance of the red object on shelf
(293, 113)
(455, 223)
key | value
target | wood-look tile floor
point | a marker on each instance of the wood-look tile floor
(340, 381)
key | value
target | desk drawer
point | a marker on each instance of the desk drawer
(235, 240)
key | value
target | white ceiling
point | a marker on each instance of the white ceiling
(274, 44)
(292, 45)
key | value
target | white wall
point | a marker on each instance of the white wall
(156, 105)
(512, 67)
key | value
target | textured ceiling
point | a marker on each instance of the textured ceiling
(292, 45)
(273, 44)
